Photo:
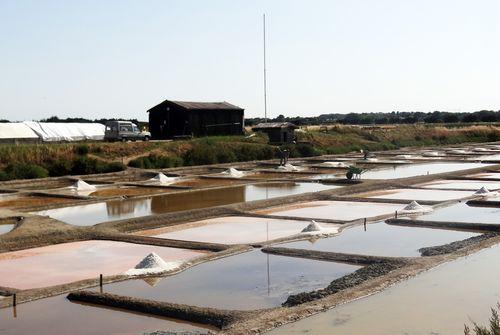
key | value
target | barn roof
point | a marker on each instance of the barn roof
(192, 105)
(274, 125)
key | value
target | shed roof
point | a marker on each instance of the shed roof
(192, 105)
(271, 125)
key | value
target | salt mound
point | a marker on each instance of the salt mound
(315, 228)
(234, 173)
(163, 179)
(458, 151)
(484, 192)
(372, 159)
(335, 164)
(152, 263)
(430, 154)
(312, 227)
(288, 167)
(80, 185)
(480, 149)
(404, 156)
(415, 207)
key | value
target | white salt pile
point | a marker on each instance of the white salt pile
(480, 149)
(80, 185)
(335, 164)
(484, 192)
(430, 154)
(458, 151)
(232, 172)
(163, 179)
(405, 156)
(415, 207)
(151, 264)
(315, 228)
(289, 167)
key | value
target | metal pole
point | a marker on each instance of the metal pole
(364, 223)
(396, 215)
(14, 300)
(265, 81)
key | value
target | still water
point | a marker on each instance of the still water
(91, 214)
(381, 239)
(247, 281)
(57, 315)
(412, 170)
(439, 301)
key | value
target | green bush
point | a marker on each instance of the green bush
(201, 154)
(60, 167)
(4, 176)
(25, 171)
(82, 149)
(156, 162)
(306, 150)
(83, 165)
(103, 167)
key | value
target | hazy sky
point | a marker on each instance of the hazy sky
(118, 58)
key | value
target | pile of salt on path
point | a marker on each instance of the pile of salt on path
(152, 264)
(232, 172)
(484, 192)
(314, 228)
(163, 179)
(80, 185)
(415, 207)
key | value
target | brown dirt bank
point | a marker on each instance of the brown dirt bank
(211, 316)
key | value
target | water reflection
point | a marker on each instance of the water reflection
(135, 207)
(381, 239)
(246, 281)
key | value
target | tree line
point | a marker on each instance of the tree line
(386, 118)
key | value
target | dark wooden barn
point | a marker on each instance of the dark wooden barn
(174, 119)
(278, 132)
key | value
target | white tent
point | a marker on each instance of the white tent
(16, 131)
(52, 132)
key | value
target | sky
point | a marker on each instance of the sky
(118, 58)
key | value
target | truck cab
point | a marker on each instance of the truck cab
(124, 131)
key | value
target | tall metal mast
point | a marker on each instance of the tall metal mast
(265, 81)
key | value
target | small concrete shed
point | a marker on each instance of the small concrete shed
(278, 132)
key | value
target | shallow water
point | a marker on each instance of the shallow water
(68, 262)
(337, 210)
(381, 239)
(207, 182)
(57, 315)
(245, 281)
(439, 301)
(279, 175)
(232, 230)
(417, 194)
(24, 201)
(411, 170)
(486, 175)
(464, 213)
(91, 214)
(5, 228)
(462, 184)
